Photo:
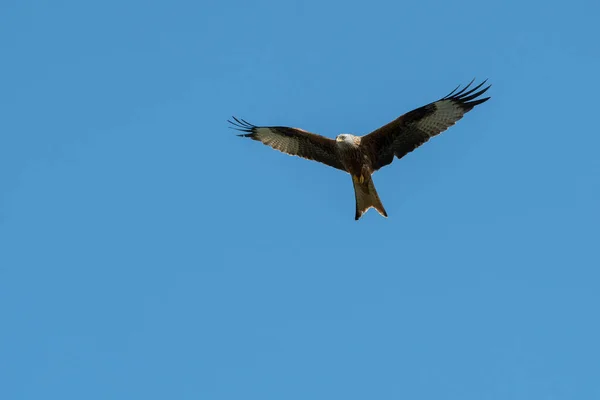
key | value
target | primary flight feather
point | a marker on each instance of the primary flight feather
(361, 156)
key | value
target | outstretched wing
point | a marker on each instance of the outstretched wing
(293, 141)
(414, 128)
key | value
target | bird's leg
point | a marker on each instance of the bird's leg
(365, 174)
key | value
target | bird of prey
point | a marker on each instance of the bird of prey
(361, 156)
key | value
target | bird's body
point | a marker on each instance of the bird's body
(361, 156)
(358, 164)
(352, 154)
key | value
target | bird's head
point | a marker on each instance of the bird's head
(346, 139)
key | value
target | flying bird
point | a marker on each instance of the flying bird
(361, 156)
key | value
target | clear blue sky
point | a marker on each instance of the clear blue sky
(146, 252)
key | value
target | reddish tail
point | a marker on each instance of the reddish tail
(366, 197)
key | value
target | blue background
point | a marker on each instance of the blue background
(147, 252)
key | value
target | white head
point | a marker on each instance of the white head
(345, 139)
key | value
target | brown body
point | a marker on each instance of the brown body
(354, 158)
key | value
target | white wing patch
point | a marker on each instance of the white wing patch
(277, 141)
(446, 114)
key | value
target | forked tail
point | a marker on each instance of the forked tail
(366, 197)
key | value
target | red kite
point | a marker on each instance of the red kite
(361, 156)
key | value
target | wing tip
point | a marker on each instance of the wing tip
(240, 124)
(468, 98)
